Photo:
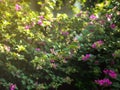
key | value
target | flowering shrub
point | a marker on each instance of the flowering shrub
(35, 48)
(38, 51)
(100, 39)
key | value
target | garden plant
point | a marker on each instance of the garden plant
(41, 51)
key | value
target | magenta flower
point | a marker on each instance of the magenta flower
(52, 61)
(27, 27)
(65, 33)
(86, 57)
(41, 17)
(94, 45)
(39, 22)
(93, 17)
(18, 7)
(104, 82)
(111, 73)
(12, 86)
(37, 49)
(113, 54)
(112, 26)
(97, 44)
(105, 71)
(100, 42)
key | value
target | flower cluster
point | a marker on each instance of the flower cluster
(113, 26)
(86, 57)
(37, 49)
(103, 82)
(111, 73)
(27, 27)
(12, 86)
(92, 17)
(97, 44)
(40, 21)
(18, 7)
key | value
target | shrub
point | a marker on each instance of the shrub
(38, 51)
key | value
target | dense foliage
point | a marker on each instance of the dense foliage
(40, 52)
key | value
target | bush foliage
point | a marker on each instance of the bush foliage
(39, 52)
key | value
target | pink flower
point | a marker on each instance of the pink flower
(106, 71)
(97, 44)
(93, 17)
(65, 33)
(52, 61)
(111, 73)
(100, 42)
(112, 26)
(12, 86)
(113, 54)
(18, 7)
(27, 27)
(41, 17)
(104, 82)
(37, 49)
(86, 57)
(93, 45)
(39, 22)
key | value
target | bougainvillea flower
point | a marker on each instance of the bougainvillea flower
(37, 49)
(65, 33)
(93, 17)
(100, 42)
(18, 7)
(12, 86)
(39, 22)
(104, 82)
(97, 44)
(111, 73)
(41, 17)
(52, 61)
(112, 26)
(27, 27)
(94, 45)
(86, 57)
